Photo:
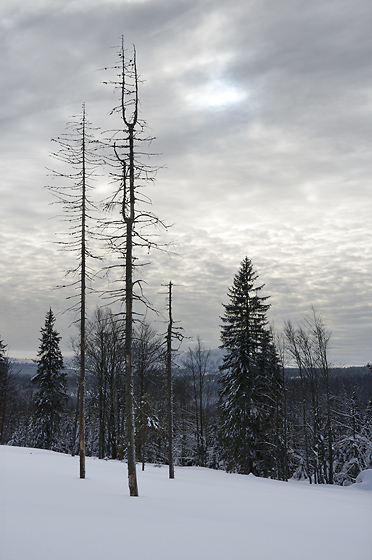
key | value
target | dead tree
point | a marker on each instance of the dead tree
(172, 333)
(105, 366)
(321, 340)
(78, 153)
(129, 235)
(308, 345)
(294, 350)
(168, 369)
(197, 363)
(148, 358)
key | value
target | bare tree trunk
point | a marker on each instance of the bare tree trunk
(169, 383)
(82, 310)
(292, 338)
(128, 217)
(78, 149)
(74, 431)
(130, 170)
(197, 363)
(322, 338)
(129, 220)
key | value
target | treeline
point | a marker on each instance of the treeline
(300, 434)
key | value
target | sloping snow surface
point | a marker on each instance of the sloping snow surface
(48, 513)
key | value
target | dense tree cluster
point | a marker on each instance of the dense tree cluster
(237, 408)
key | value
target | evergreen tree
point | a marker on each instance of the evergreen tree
(7, 394)
(51, 392)
(249, 378)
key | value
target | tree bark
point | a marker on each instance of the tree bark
(170, 384)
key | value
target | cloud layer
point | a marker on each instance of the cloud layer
(262, 118)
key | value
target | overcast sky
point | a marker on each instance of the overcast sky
(262, 113)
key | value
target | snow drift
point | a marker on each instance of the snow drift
(47, 512)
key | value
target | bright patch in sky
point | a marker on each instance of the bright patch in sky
(217, 93)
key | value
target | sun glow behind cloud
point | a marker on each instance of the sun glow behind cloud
(216, 94)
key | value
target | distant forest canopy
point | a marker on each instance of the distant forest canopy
(356, 378)
(360, 377)
(27, 367)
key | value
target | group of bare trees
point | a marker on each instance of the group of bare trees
(330, 432)
(125, 230)
(308, 346)
(194, 396)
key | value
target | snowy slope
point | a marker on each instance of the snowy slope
(48, 513)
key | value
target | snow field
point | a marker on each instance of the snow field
(48, 513)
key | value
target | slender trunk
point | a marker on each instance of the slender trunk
(198, 439)
(170, 386)
(82, 314)
(330, 441)
(304, 424)
(202, 445)
(143, 455)
(329, 426)
(101, 411)
(285, 430)
(77, 410)
(129, 220)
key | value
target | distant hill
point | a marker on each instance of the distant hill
(27, 368)
(335, 372)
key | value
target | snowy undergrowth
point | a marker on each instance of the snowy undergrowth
(47, 512)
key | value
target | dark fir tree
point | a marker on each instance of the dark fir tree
(50, 379)
(7, 394)
(249, 378)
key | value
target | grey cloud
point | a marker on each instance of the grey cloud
(282, 175)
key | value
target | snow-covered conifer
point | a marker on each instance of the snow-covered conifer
(249, 382)
(50, 379)
(6, 392)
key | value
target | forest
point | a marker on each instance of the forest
(290, 440)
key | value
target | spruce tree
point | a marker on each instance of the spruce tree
(249, 377)
(51, 392)
(7, 392)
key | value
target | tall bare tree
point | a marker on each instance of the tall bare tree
(173, 333)
(77, 153)
(168, 374)
(129, 234)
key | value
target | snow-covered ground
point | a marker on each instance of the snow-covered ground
(48, 513)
